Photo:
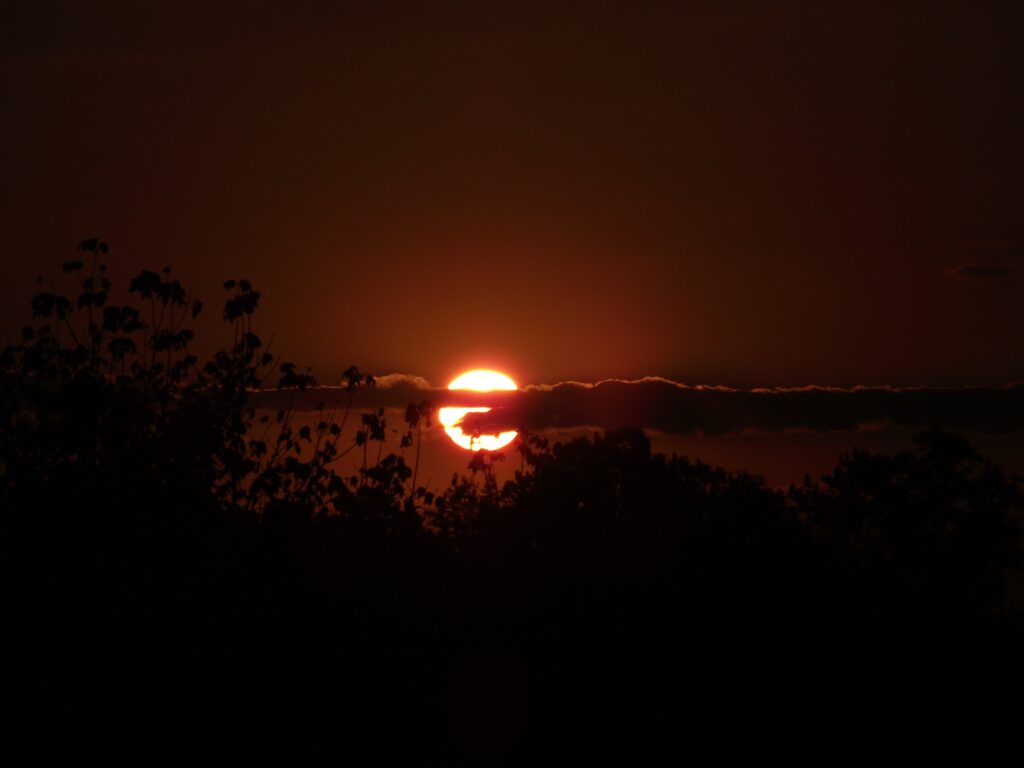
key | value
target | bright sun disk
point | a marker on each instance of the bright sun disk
(480, 380)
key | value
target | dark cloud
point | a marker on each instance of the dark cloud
(990, 260)
(392, 391)
(986, 271)
(667, 406)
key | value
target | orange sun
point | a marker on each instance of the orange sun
(477, 381)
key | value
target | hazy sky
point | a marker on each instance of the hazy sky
(751, 194)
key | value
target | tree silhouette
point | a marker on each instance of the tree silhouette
(157, 524)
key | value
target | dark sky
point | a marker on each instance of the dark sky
(750, 194)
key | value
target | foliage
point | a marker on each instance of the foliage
(98, 394)
(153, 511)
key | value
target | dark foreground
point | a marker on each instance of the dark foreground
(177, 568)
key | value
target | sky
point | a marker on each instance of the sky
(736, 194)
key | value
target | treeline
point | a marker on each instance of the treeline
(164, 540)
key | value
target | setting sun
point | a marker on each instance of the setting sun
(480, 380)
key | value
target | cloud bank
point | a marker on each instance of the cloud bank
(990, 260)
(668, 406)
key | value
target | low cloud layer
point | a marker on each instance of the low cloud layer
(990, 260)
(668, 406)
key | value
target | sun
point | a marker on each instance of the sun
(480, 380)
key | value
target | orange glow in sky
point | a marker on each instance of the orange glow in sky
(478, 381)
